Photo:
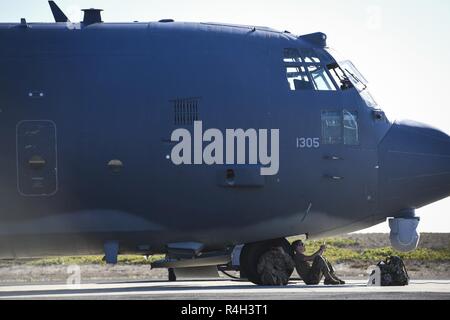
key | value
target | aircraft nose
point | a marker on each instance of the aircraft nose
(414, 164)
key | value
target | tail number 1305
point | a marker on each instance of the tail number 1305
(308, 143)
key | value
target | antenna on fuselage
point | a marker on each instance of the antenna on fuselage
(58, 14)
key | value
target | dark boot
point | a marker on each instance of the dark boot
(336, 278)
(331, 282)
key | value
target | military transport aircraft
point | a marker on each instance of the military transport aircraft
(192, 138)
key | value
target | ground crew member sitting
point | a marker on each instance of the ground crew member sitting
(312, 275)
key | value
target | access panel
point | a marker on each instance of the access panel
(37, 173)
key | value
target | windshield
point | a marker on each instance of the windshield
(347, 76)
(358, 81)
(356, 78)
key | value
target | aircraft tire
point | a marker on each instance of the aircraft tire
(252, 252)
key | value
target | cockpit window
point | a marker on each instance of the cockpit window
(298, 78)
(357, 79)
(305, 71)
(339, 76)
(351, 135)
(331, 127)
(340, 127)
(346, 76)
(321, 79)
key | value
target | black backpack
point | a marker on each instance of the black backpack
(393, 272)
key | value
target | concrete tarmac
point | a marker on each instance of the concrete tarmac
(227, 289)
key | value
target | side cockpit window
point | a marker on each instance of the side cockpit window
(331, 127)
(350, 122)
(305, 70)
(340, 127)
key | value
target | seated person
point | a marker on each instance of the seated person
(312, 275)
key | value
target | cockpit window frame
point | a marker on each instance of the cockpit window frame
(303, 59)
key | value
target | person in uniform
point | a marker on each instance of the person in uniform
(313, 274)
(275, 267)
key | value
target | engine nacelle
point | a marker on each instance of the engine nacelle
(404, 236)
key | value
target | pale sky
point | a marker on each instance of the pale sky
(400, 46)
